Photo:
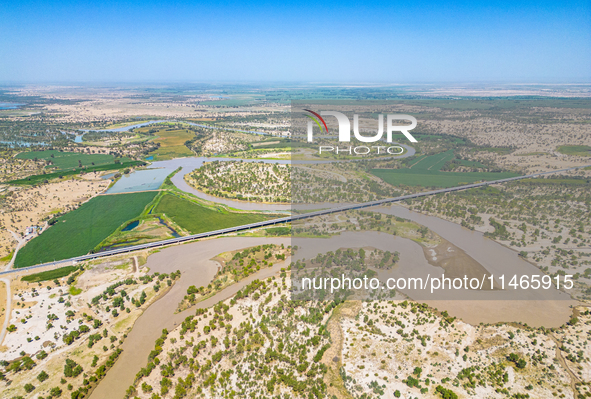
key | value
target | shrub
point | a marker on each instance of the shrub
(42, 376)
(446, 393)
(72, 369)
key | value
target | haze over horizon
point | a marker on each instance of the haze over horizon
(502, 41)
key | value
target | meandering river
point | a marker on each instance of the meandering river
(142, 180)
(194, 261)
(550, 309)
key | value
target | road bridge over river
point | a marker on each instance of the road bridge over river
(277, 221)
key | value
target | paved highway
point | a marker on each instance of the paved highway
(279, 221)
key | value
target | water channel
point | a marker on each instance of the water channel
(146, 179)
(194, 262)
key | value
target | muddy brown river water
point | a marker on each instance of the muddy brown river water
(193, 260)
(549, 309)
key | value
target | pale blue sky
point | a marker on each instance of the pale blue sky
(345, 41)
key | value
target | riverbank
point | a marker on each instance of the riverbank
(197, 268)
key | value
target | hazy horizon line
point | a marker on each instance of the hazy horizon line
(358, 83)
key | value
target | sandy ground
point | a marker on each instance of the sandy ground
(333, 357)
(30, 314)
(245, 311)
(33, 336)
(524, 138)
(2, 303)
(194, 262)
(454, 261)
(12, 168)
(381, 353)
(371, 346)
(32, 206)
(221, 142)
(561, 245)
(105, 105)
(268, 182)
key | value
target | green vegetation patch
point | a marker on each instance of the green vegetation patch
(496, 150)
(499, 104)
(8, 257)
(62, 161)
(74, 291)
(279, 231)
(580, 150)
(172, 143)
(280, 143)
(235, 101)
(198, 219)
(80, 231)
(236, 265)
(558, 180)
(426, 171)
(470, 164)
(50, 274)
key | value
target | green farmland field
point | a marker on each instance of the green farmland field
(198, 219)
(50, 274)
(425, 171)
(38, 179)
(580, 150)
(172, 141)
(80, 231)
(63, 161)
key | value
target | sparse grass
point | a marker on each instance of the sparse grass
(529, 154)
(123, 124)
(558, 181)
(471, 164)
(172, 144)
(496, 150)
(333, 377)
